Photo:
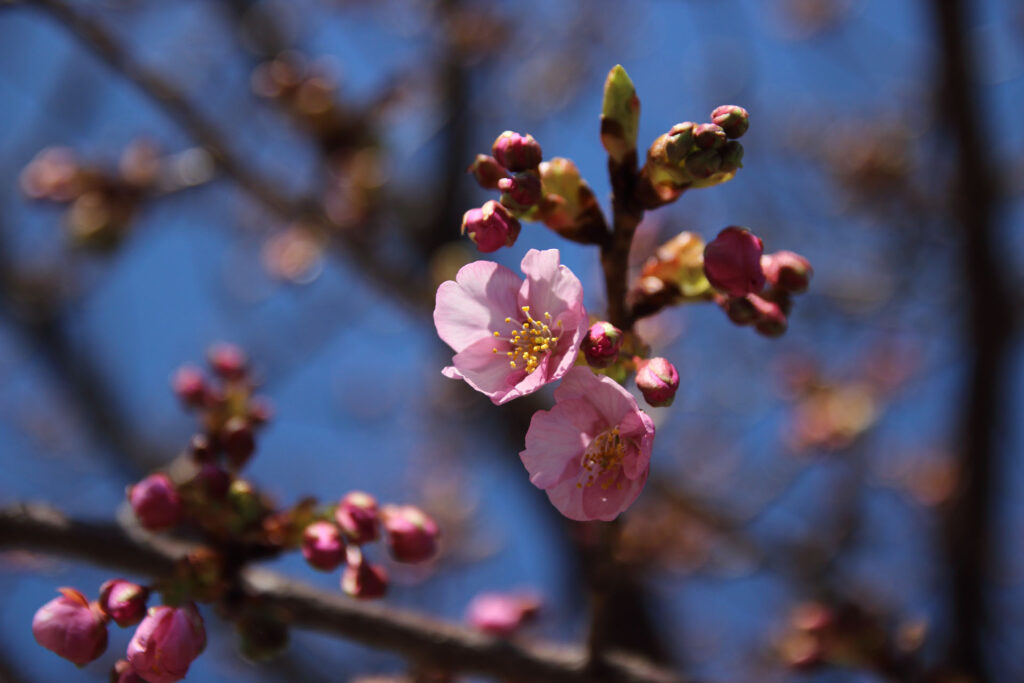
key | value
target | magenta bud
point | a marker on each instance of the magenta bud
(156, 502)
(322, 546)
(601, 345)
(167, 642)
(787, 271)
(733, 120)
(238, 440)
(658, 380)
(517, 152)
(523, 189)
(487, 171)
(491, 227)
(501, 614)
(228, 361)
(189, 385)
(71, 627)
(732, 262)
(358, 517)
(709, 136)
(679, 141)
(364, 580)
(215, 480)
(124, 672)
(123, 601)
(412, 535)
(771, 320)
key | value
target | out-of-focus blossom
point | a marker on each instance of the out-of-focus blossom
(167, 642)
(501, 613)
(71, 627)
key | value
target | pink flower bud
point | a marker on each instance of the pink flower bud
(487, 171)
(709, 136)
(228, 360)
(322, 546)
(601, 345)
(167, 642)
(491, 227)
(517, 152)
(787, 271)
(657, 380)
(731, 155)
(357, 515)
(364, 580)
(123, 601)
(733, 120)
(412, 535)
(155, 502)
(214, 480)
(238, 441)
(679, 141)
(523, 189)
(771, 320)
(71, 627)
(732, 262)
(500, 613)
(703, 163)
(124, 672)
(189, 385)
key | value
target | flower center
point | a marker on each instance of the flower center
(530, 340)
(603, 456)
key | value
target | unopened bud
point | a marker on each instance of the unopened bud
(680, 262)
(521, 191)
(500, 613)
(200, 448)
(601, 345)
(412, 535)
(787, 271)
(322, 546)
(214, 480)
(517, 152)
(709, 136)
(491, 227)
(71, 627)
(732, 157)
(123, 601)
(189, 385)
(703, 163)
(487, 171)
(620, 114)
(156, 502)
(658, 380)
(679, 141)
(238, 441)
(228, 361)
(732, 262)
(245, 500)
(358, 517)
(364, 580)
(561, 184)
(166, 643)
(733, 120)
(771, 320)
(740, 309)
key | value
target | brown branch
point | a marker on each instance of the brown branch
(419, 637)
(969, 525)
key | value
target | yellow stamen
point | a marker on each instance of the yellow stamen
(530, 339)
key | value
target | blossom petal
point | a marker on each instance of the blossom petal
(476, 303)
(486, 371)
(606, 503)
(550, 286)
(556, 441)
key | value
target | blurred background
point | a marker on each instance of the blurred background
(841, 504)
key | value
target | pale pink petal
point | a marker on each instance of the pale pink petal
(476, 303)
(556, 440)
(641, 442)
(486, 371)
(451, 372)
(606, 504)
(567, 498)
(549, 286)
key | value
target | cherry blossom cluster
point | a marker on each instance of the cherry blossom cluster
(166, 641)
(513, 335)
(203, 490)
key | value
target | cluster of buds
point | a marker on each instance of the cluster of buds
(102, 202)
(502, 614)
(531, 189)
(165, 643)
(754, 288)
(695, 155)
(357, 521)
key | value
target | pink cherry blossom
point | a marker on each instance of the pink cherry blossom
(166, 643)
(591, 453)
(511, 336)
